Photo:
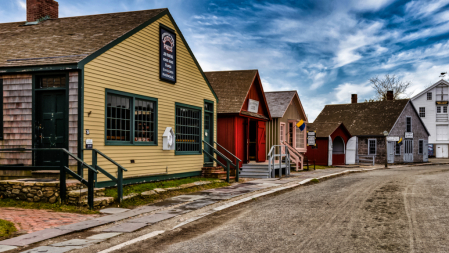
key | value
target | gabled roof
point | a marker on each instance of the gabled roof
(279, 101)
(362, 119)
(65, 40)
(325, 129)
(442, 81)
(232, 88)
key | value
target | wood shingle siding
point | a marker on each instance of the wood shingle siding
(132, 66)
(17, 117)
(73, 116)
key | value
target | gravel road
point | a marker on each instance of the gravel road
(402, 210)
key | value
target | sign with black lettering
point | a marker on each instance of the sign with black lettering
(311, 138)
(167, 55)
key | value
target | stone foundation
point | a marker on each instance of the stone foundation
(33, 190)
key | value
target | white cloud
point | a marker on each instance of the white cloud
(22, 4)
(343, 92)
(372, 5)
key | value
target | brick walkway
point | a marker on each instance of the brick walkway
(32, 220)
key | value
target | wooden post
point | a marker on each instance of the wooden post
(227, 171)
(62, 176)
(91, 181)
(120, 184)
(237, 169)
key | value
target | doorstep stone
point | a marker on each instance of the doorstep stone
(130, 196)
(50, 249)
(35, 237)
(159, 190)
(148, 193)
(126, 227)
(4, 248)
(113, 210)
(103, 236)
(75, 242)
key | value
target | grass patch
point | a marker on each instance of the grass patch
(7, 229)
(46, 206)
(321, 167)
(315, 180)
(145, 200)
(139, 188)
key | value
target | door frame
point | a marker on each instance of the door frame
(391, 148)
(66, 104)
(211, 123)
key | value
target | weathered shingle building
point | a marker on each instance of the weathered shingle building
(367, 122)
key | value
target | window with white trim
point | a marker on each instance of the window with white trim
(444, 109)
(429, 95)
(398, 149)
(438, 109)
(282, 130)
(422, 112)
(372, 146)
(409, 124)
(300, 138)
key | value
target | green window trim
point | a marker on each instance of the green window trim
(200, 123)
(132, 98)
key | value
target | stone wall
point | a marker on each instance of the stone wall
(34, 191)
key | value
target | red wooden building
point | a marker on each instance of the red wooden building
(331, 141)
(242, 112)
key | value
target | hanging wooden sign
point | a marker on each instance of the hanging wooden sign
(167, 55)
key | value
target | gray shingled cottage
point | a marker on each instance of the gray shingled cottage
(367, 121)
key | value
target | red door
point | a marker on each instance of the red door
(261, 142)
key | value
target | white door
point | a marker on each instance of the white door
(351, 149)
(390, 151)
(329, 161)
(441, 151)
(425, 154)
(442, 133)
(408, 151)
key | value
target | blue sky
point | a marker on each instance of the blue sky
(324, 49)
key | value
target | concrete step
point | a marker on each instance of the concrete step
(77, 197)
(45, 174)
(254, 174)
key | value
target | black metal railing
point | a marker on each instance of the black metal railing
(63, 167)
(118, 180)
(226, 159)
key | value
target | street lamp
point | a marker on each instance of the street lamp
(386, 149)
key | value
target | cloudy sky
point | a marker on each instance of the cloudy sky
(325, 50)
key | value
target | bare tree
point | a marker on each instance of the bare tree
(381, 86)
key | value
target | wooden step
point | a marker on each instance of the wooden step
(45, 174)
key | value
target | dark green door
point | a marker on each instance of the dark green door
(51, 126)
(208, 137)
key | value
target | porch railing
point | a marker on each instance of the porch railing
(118, 180)
(295, 156)
(64, 169)
(226, 159)
(272, 160)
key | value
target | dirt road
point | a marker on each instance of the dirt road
(401, 210)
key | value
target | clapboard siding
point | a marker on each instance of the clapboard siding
(17, 117)
(133, 66)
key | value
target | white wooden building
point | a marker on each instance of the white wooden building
(432, 106)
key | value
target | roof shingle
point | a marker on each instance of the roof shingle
(231, 88)
(369, 118)
(278, 102)
(65, 40)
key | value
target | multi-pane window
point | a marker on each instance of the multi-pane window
(409, 124)
(444, 109)
(144, 121)
(300, 138)
(47, 82)
(429, 95)
(438, 109)
(282, 133)
(398, 149)
(422, 112)
(130, 119)
(420, 146)
(291, 132)
(372, 147)
(188, 129)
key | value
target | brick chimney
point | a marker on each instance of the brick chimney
(389, 95)
(353, 98)
(37, 9)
